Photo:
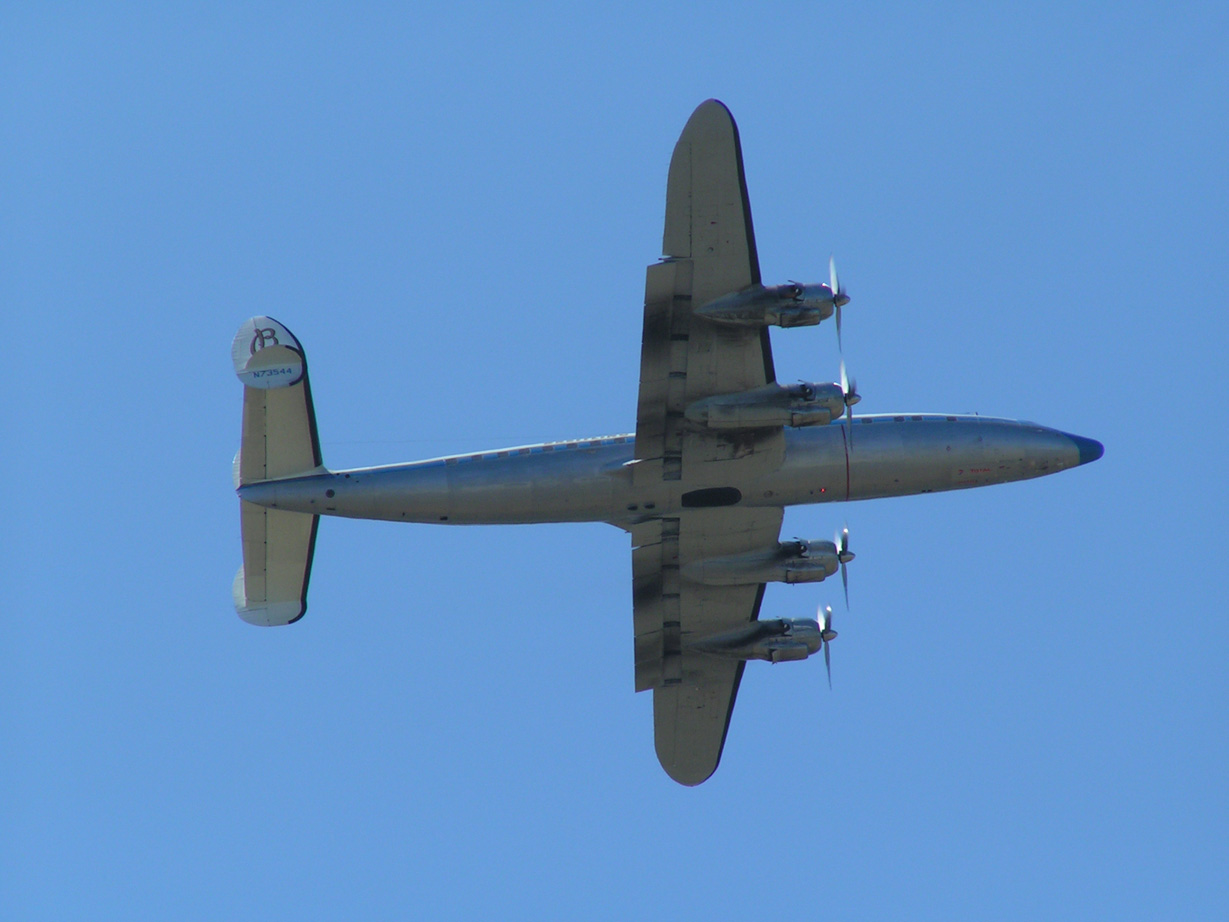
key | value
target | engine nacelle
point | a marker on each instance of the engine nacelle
(776, 641)
(813, 561)
(788, 651)
(802, 404)
(789, 562)
(791, 305)
(815, 404)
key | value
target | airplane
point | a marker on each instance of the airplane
(720, 448)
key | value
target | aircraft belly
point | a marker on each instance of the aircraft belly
(489, 492)
(896, 459)
(544, 484)
(409, 493)
(813, 470)
(904, 456)
(553, 486)
(887, 456)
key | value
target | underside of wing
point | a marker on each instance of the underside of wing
(708, 221)
(709, 247)
(693, 691)
(691, 719)
(700, 471)
(708, 211)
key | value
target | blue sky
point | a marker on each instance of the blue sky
(453, 211)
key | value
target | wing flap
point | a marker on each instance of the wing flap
(655, 598)
(663, 370)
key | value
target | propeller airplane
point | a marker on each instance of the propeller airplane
(720, 448)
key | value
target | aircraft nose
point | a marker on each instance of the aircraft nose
(1090, 449)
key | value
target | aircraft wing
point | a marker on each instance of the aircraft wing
(709, 247)
(693, 692)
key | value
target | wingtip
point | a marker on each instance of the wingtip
(715, 107)
(687, 780)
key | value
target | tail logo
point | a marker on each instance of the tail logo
(266, 336)
(266, 354)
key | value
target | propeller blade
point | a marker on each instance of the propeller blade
(849, 389)
(846, 391)
(843, 555)
(826, 634)
(839, 298)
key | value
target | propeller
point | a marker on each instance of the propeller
(849, 387)
(844, 555)
(826, 636)
(839, 298)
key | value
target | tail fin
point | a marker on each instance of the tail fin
(279, 440)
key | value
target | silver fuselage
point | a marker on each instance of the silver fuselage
(590, 480)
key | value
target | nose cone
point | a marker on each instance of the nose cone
(1090, 449)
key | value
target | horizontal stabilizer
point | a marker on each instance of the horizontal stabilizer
(279, 440)
(271, 586)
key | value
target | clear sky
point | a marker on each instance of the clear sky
(453, 211)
